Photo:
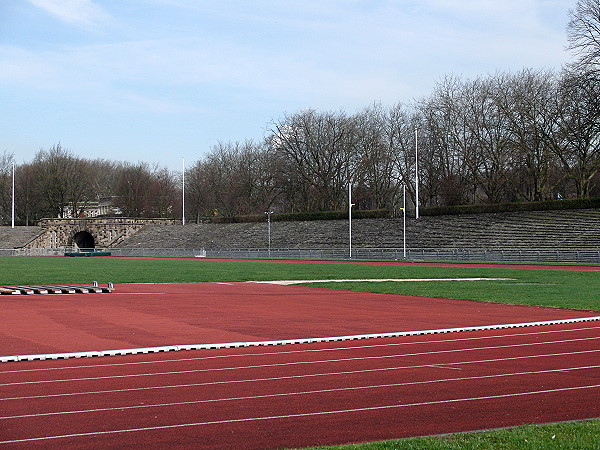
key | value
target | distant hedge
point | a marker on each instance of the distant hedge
(575, 203)
(304, 216)
(549, 205)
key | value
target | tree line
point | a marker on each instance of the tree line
(525, 136)
(59, 184)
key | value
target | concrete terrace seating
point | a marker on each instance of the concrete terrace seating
(11, 238)
(534, 229)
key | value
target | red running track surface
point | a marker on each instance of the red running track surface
(149, 315)
(287, 396)
(304, 395)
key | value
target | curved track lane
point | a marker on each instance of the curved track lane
(310, 394)
(144, 315)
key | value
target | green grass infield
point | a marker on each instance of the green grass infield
(554, 288)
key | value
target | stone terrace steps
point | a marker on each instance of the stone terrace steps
(543, 229)
(11, 238)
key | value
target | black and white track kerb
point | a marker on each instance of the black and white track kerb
(172, 348)
(93, 288)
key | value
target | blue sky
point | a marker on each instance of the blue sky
(162, 80)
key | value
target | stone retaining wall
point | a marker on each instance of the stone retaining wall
(106, 232)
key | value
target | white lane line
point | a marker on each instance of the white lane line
(140, 293)
(135, 351)
(297, 415)
(291, 377)
(443, 366)
(321, 361)
(311, 392)
(376, 280)
(287, 352)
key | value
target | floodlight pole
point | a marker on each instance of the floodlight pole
(268, 213)
(350, 205)
(416, 173)
(13, 195)
(404, 218)
(183, 192)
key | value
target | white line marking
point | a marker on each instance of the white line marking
(297, 415)
(323, 361)
(320, 361)
(288, 394)
(287, 377)
(287, 352)
(134, 351)
(376, 280)
(141, 293)
(442, 366)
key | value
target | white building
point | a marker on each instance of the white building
(103, 207)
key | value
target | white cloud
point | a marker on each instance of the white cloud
(81, 12)
(344, 54)
(229, 66)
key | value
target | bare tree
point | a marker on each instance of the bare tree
(398, 135)
(320, 148)
(146, 191)
(262, 166)
(164, 194)
(228, 178)
(578, 130)
(583, 32)
(490, 157)
(134, 190)
(6, 167)
(61, 181)
(105, 176)
(377, 179)
(196, 194)
(526, 100)
(29, 208)
(233, 179)
(446, 141)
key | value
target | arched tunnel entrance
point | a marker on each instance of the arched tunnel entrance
(84, 240)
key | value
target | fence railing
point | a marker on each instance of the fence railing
(562, 255)
(558, 255)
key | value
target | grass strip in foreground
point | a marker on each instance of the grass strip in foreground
(559, 436)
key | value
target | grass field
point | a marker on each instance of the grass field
(562, 289)
(559, 436)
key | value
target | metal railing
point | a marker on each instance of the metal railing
(558, 255)
(562, 255)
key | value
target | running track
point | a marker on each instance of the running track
(286, 396)
(302, 395)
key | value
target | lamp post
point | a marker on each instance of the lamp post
(404, 220)
(350, 205)
(183, 192)
(416, 173)
(13, 195)
(268, 213)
